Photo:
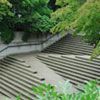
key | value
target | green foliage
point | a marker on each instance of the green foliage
(5, 9)
(87, 21)
(18, 98)
(96, 51)
(28, 11)
(82, 16)
(65, 15)
(29, 16)
(48, 92)
(6, 33)
(42, 24)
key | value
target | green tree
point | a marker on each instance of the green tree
(5, 8)
(65, 15)
(30, 16)
(5, 11)
(83, 17)
(87, 23)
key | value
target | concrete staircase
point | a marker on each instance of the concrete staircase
(77, 69)
(66, 59)
(16, 78)
(18, 73)
(70, 58)
(70, 45)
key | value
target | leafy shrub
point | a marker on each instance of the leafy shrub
(27, 12)
(48, 92)
(29, 16)
(6, 33)
(18, 98)
(5, 9)
(43, 24)
(96, 51)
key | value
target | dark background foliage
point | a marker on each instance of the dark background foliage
(29, 16)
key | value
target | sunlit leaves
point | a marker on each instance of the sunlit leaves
(96, 51)
(65, 15)
(5, 9)
(82, 16)
(48, 92)
(87, 21)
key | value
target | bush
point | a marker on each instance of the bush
(48, 92)
(5, 9)
(7, 35)
(31, 16)
(96, 51)
(29, 12)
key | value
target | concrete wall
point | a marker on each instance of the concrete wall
(20, 47)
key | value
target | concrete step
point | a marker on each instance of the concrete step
(66, 52)
(70, 45)
(73, 43)
(70, 68)
(82, 74)
(12, 78)
(21, 71)
(97, 60)
(74, 80)
(3, 68)
(75, 65)
(81, 47)
(14, 90)
(75, 49)
(77, 69)
(27, 81)
(82, 60)
(5, 93)
(17, 62)
(19, 68)
(19, 87)
(16, 79)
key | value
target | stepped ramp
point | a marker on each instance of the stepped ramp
(70, 45)
(19, 73)
(16, 78)
(77, 69)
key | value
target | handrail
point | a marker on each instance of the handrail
(31, 43)
(4, 49)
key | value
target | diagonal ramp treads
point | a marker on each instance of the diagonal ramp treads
(77, 69)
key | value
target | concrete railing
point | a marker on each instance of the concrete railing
(21, 47)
